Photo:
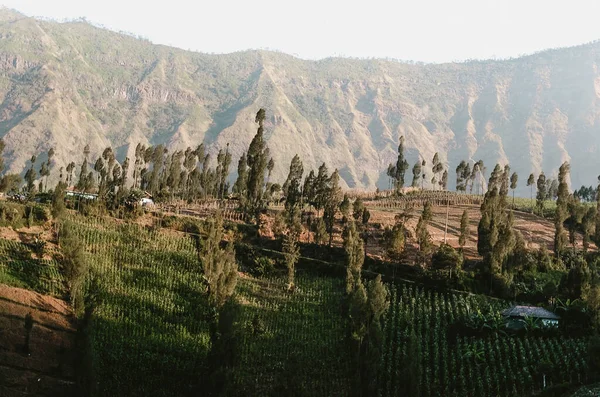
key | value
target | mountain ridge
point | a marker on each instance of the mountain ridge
(67, 84)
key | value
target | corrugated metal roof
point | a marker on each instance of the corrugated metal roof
(530, 311)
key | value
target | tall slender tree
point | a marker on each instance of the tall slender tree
(460, 180)
(257, 159)
(400, 169)
(531, 182)
(332, 201)
(560, 237)
(416, 170)
(436, 168)
(514, 178)
(541, 193)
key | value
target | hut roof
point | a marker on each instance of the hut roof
(530, 311)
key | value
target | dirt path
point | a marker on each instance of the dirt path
(48, 369)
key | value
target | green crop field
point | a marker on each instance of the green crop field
(20, 268)
(149, 336)
(495, 365)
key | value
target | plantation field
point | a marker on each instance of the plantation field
(455, 365)
(301, 347)
(19, 267)
(149, 335)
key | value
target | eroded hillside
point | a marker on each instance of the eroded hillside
(67, 84)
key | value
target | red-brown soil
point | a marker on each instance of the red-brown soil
(48, 368)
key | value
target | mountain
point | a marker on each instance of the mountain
(67, 84)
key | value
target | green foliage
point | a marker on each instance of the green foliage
(447, 258)
(560, 237)
(397, 172)
(10, 183)
(321, 235)
(594, 355)
(358, 208)
(355, 257)
(416, 170)
(332, 199)
(542, 193)
(218, 264)
(422, 356)
(75, 263)
(58, 200)
(19, 268)
(257, 159)
(291, 253)
(496, 238)
(395, 241)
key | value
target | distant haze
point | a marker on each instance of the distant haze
(425, 30)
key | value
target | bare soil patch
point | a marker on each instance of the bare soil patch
(48, 368)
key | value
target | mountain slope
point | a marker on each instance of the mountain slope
(67, 84)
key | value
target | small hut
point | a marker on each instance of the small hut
(516, 315)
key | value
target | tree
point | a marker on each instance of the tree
(292, 188)
(423, 164)
(460, 180)
(597, 232)
(496, 239)
(464, 230)
(74, 263)
(447, 258)
(399, 170)
(321, 236)
(514, 178)
(436, 168)
(416, 170)
(2, 147)
(291, 253)
(257, 159)
(320, 187)
(58, 199)
(358, 208)
(241, 182)
(308, 190)
(10, 183)
(588, 224)
(355, 257)
(30, 176)
(560, 238)
(395, 241)
(332, 201)
(531, 182)
(218, 264)
(421, 232)
(345, 208)
(378, 304)
(541, 193)
(84, 183)
(444, 180)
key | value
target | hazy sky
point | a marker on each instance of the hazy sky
(420, 30)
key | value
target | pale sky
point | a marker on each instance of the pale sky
(419, 30)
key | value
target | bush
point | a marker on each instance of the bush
(263, 266)
(447, 258)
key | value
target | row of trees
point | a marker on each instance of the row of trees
(397, 172)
